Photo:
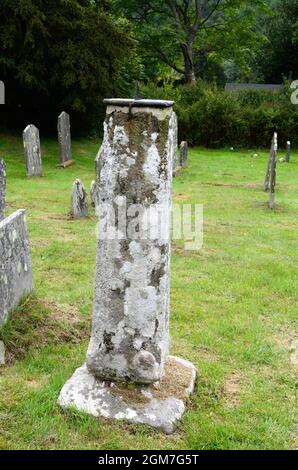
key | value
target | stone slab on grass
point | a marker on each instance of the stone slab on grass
(15, 263)
(160, 405)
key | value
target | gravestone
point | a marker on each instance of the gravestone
(79, 200)
(2, 189)
(274, 144)
(15, 263)
(2, 353)
(64, 137)
(94, 194)
(128, 373)
(2, 92)
(288, 154)
(272, 176)
(183, 154)
(32, 151)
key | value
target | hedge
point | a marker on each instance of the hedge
(211, 117)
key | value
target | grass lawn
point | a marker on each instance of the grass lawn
(234, 308)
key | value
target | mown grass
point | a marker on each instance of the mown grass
(234, 308)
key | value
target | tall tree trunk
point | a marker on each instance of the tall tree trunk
(189, 72)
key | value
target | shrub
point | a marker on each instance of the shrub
(209, 116)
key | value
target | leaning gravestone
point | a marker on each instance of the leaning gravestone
(272, 177)
(94, 194)
(79, 200)
(32, 151)
(15, 263)
(128, 374)
(64, 137)
(269, 165)
(2, 188)
(183, 154)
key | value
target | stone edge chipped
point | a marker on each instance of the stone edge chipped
(70, 398)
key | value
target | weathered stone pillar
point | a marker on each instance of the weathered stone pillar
(2, 189)
(130, 336)
(64, 137)
(129, 343)
(32, 151)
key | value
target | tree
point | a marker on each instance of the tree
(184, 33)
(278, 59)
(58, 54)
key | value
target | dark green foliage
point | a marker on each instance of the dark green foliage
(211, 117)
(193, 37)
(279, 58)
(57, 54)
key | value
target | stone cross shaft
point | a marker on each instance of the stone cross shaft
(128, 374)
(130, 333)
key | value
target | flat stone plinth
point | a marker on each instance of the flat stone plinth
(160, 405)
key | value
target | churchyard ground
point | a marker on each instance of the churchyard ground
(234, 307)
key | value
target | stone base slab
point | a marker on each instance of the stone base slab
(160, 405)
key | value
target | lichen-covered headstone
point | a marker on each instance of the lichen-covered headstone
(15, 263)
(94, 194)
(79, 200)
(32, 151)
(130, 327)
(183, 154)
(64, 137)
(2, 188)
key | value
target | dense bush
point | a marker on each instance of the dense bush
(57, 55)
(209, 116)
